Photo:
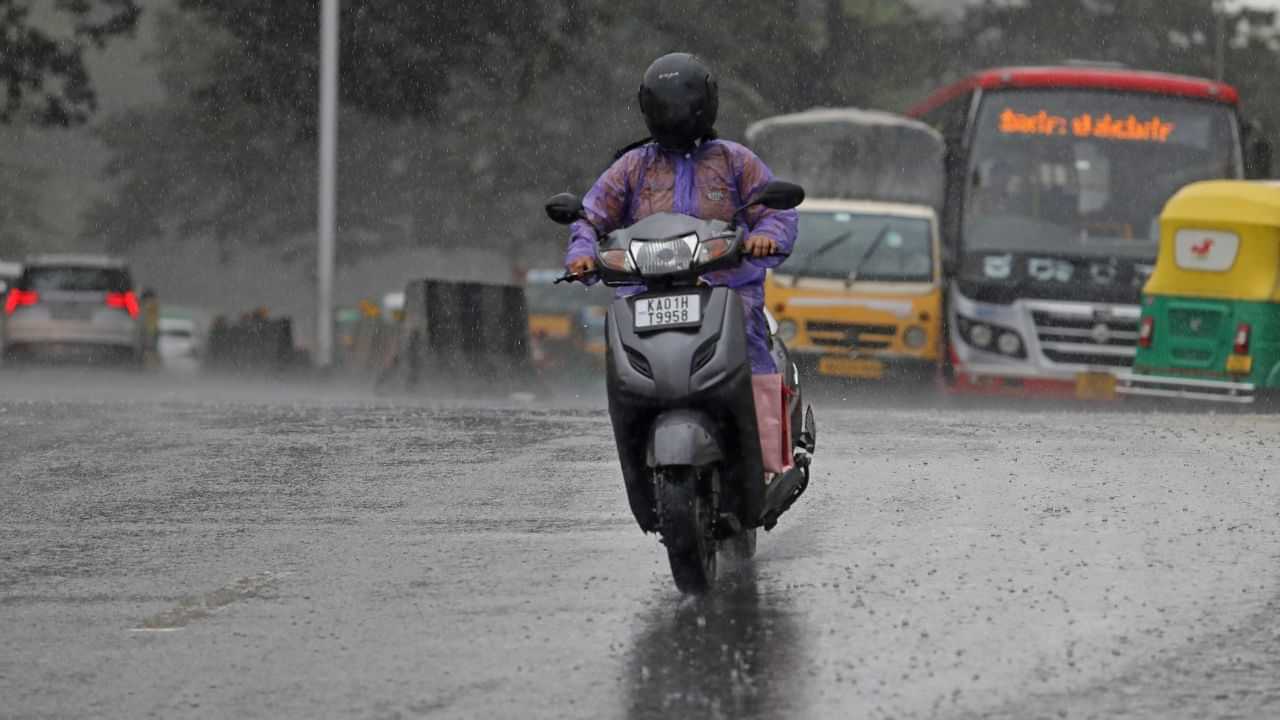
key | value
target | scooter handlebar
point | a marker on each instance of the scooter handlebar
(573, 277)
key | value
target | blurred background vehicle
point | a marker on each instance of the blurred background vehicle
(566, 322)
(1210, 326)
(178, 345)
(1056, 176)
(861, 295)
(9, 272)
(73, 307)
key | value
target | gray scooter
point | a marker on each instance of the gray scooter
(680, 392)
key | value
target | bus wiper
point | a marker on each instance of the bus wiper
(822, 250)
(871, 250)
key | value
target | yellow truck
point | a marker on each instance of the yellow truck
(862, 294)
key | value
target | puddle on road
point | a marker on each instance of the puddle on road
(199, 607)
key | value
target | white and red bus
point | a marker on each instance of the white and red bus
(1056, 179)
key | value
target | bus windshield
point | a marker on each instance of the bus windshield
(1085, 172)
(854, 246)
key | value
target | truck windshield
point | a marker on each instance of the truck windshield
(833, 244)
(1085, 172)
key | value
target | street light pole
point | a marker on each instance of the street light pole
(328, 181)
(1220, 47)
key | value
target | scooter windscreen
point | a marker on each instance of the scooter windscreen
(670, 247)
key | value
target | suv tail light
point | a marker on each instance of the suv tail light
(19, 298)
(126, 301)
(1243, 331)
(1146, 332)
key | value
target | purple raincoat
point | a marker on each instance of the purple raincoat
(708, 183)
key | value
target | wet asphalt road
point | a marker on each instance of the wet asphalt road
(191, 548)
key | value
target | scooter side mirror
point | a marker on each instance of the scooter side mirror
(778, 195)
(565, 209)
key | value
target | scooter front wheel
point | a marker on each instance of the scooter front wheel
(686, 516)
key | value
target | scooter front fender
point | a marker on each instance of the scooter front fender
(683, 437)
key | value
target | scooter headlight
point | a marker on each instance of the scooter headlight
(617, 260)
(662, 257)
(713, 249)
(787, 330)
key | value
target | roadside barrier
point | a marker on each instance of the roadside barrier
(255, 343)
(468, 333)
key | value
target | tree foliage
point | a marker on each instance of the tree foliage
(42, 68)
(458, 118)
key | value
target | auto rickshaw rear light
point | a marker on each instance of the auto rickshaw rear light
(1243, 331)
(1146, 332)
(19, 298)
(126, 301)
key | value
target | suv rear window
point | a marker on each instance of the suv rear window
(75, 279)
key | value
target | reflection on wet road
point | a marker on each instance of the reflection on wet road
(194, 548)
(737, 653)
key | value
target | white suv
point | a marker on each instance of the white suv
(74, 307)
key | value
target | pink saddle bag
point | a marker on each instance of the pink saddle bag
(771, 419)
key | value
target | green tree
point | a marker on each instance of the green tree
(42, 69)
(456, 124)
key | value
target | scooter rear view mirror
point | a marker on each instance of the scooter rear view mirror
(776, 195)
(779, 195)
(564, 209)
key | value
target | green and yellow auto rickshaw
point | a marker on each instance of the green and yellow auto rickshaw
(1210, 327)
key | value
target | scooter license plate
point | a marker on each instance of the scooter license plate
(668, 311)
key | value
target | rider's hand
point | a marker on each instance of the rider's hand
(584, 265)
(761, 246)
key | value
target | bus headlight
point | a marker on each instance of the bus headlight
(915, 337)
(1009, 343)
(981, 335)
(993, 338)
(787, 330)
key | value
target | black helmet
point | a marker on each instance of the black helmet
(679, 98)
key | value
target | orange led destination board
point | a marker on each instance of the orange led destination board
(1086, 125)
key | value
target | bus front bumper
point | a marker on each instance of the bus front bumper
(1224, 391)
(874, 365)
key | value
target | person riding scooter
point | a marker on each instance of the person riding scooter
(684, 168)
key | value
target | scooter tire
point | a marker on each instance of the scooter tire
(686, 520)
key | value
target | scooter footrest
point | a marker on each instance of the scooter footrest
(782, 493)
